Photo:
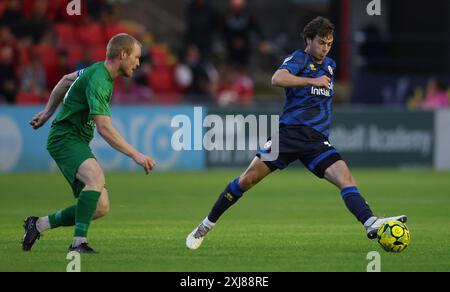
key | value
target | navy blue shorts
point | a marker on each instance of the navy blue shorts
(305, 144)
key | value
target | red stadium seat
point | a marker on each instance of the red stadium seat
(52, 8)
(162, 82)
(48, 56)
(46, 52)
(25, 98)
(55, 6)
(24, 55)
(159, 55)
(75, 54)
(66, 33)
(111, 29)
(161, 79)
(91, 34)
(2, 7)
(99, 53)
(27, 7)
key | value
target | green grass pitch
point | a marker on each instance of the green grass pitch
(291, 221)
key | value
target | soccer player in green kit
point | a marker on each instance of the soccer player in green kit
(86, 97)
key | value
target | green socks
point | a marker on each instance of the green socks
(79, 215)
(86, 206)
(65, 217)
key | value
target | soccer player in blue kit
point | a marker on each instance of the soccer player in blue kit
(307, 77)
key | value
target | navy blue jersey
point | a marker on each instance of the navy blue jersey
(309, 105)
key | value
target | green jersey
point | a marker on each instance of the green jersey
(89, 95)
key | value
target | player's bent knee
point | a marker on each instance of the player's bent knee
(247, 181)
(96, 183)
(99, 181)
(102, 210)
(91, 174)
(348, 181)
(94, 187)
(103, 206)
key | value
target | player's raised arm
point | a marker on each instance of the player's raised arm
(56, 96)
(283, 78)
(116, 140)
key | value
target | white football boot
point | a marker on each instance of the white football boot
(374, 223)
(195, 238)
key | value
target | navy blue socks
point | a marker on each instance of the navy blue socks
(227, 198)
(356, 204)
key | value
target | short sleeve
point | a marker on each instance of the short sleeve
(293, 63)
(333, 65)
(98, 98)
(331, 68)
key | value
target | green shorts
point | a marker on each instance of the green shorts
(69, 154)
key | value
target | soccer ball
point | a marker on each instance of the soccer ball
(393, 236)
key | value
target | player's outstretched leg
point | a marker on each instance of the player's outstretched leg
(35, 226)
(195, 238)
(374, 223)
(31, 233)
(232, 193)
(339, 174)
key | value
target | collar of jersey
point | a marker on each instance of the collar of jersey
(107, 72)
(310, 59)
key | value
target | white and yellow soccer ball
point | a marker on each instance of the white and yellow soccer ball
(393, 236)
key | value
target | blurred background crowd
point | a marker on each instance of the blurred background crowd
(224, 51)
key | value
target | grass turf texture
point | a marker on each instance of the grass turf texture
(291, 221)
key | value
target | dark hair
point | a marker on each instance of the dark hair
(320, 26)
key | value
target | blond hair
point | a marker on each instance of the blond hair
(118, 43)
